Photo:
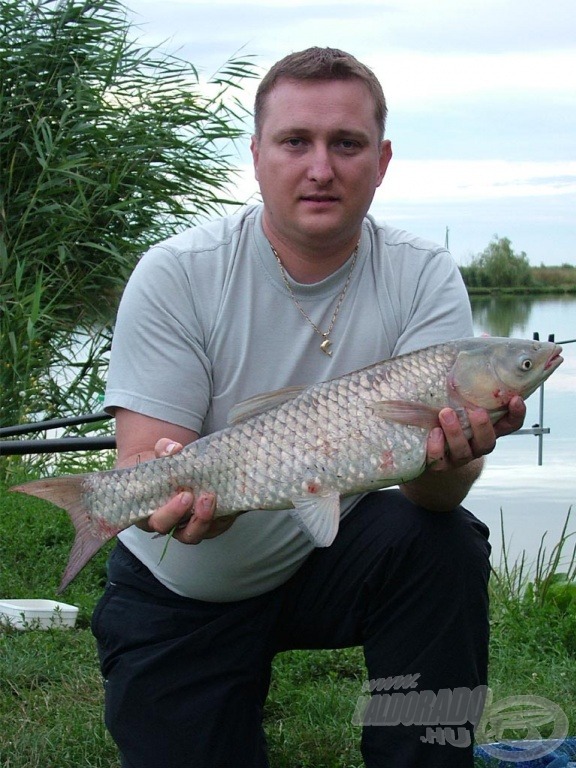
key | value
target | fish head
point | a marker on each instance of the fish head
(489, 372)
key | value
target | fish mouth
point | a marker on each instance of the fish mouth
(554, 360)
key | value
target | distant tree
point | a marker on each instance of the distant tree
(105, 147)
(498, 267)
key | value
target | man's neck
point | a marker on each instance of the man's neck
(311, 262)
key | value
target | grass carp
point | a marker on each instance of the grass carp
(302, 448)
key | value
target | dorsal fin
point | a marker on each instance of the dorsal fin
(258, 404)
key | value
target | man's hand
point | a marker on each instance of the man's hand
(454, 461)
(448, 446)
(192, 517)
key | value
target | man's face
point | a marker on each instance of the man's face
(318, 160)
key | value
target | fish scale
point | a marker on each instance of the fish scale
(297, 428)
(302, 449)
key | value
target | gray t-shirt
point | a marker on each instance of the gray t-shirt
(206, 321)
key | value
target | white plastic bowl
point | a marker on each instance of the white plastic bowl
(37, 614)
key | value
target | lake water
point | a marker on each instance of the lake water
(534, 499)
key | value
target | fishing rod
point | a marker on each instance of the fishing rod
(39, 426)
(57, 445)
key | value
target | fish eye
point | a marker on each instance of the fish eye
(526, 364)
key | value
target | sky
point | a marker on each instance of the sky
(481, 97)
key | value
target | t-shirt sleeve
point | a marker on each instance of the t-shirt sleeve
(436, 308)
(158, 365)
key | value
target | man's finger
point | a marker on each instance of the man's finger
(166, 447)
(199, 525)
(164, 519)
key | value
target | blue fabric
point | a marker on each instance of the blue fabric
(563, 756)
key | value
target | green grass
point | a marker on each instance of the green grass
(51, 696)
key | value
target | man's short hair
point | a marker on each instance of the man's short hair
(320, 64)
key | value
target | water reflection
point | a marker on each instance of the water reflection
(499, 315)
(532, 499)
(521, 315)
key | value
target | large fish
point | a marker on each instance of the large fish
(302, 448)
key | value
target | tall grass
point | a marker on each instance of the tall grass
(105, 148)
(533, 648)
(51, 697)
(560, 277)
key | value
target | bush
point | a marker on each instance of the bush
(498, 267)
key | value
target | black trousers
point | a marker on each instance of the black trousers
(186, 680)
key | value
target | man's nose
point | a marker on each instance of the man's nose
(320, 169)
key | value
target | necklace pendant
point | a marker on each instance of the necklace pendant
(326, 344)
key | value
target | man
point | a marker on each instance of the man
(304, 288)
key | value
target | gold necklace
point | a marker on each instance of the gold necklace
(325, 335)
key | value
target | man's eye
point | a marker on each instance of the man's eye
(294, 142)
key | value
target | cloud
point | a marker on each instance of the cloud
(482, 102)
(368, 28)
(413, 78)
(471, 180)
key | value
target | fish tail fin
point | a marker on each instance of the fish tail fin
(68, 493)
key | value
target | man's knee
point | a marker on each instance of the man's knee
(436, 554)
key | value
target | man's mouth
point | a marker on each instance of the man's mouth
(320, 198)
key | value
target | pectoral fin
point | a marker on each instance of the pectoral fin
(404, 412)
(318, 516)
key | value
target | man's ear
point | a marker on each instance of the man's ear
(255, 154)
(384, 160)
